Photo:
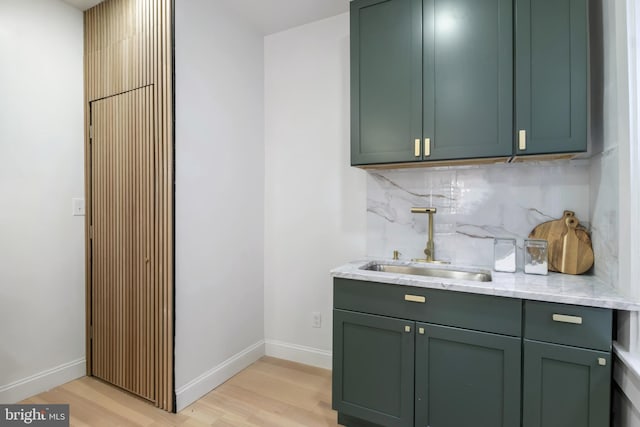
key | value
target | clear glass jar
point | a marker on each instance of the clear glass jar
(504, 255)
(535, 256)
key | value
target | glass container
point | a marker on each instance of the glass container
(535, 256)
(504, 255)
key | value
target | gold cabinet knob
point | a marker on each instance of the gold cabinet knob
(522, 140)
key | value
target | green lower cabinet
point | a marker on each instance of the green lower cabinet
(506, 363)
(565, 386)
(466, 378)
(373, 368)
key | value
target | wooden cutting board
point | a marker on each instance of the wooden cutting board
(553, 232)
(571, 254)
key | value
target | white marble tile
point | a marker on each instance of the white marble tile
(604, 213)
(475, 204)
(556, 287)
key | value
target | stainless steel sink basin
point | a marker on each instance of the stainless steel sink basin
(475, 275)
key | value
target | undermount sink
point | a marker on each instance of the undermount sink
(475, 275)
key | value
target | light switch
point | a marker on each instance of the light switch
(78, 207)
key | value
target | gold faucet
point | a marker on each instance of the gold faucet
(430, 250)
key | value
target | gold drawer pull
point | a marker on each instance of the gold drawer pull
(417, 147)
(576, 320)
(415, 298)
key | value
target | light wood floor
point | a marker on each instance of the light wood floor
(271, 392)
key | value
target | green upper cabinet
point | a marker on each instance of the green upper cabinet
(386, 80)
(467, 79)
(434, 80)
(551, 76)
(430, 80)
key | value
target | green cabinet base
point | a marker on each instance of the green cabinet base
(459, 367)
(373, 367)
(347, 421)
(457, 360)
(565, 386)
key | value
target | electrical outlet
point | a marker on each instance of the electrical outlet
(77, 206)
(317, 320)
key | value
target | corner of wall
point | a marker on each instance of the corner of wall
(626, 400)
(217, 375)
(299, 353)
(45, 380)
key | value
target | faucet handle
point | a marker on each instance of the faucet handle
(396, 255)
(423, 210)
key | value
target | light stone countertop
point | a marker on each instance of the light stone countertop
(556, 287)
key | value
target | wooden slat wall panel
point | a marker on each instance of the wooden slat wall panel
(128, 45)
(123, 187)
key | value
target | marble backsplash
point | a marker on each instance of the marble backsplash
(604, 214)
(474, 205)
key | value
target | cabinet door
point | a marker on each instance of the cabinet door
(565, 386)
(468, 78)
(551, 75)
(386, 80)
(466, 378)
(373, 372)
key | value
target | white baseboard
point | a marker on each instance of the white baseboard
(198, 387)
(299, 353)
(42, 381)
(624, 412)
(626, 373)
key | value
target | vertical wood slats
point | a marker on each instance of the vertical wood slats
(123, 187)
(128, 46)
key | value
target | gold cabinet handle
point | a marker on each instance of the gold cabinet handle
(522, 140)
(407, 328)
(415, 298)
(421, 331)
(602, 361)
(427, 147)
(416, 147)
(563, 318)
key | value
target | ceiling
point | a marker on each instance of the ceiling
(82, 4)
(268, 16)
(271, 16)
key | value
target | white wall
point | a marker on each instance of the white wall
(608, 71)
(41, 170)
(219, 197)
(610, 187)
(315, 206)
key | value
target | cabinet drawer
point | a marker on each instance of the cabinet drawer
(464, 310)
(578, 326)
